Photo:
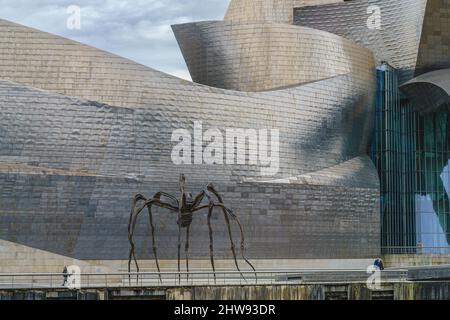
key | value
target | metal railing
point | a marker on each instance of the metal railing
(425, 250)
(195, 278)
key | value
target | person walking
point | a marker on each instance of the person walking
(420, 247)
(378, 263)
(65, 276)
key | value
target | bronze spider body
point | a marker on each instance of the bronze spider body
(185, 207)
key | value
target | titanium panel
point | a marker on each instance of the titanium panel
(267, 56)
(99, 128)
(278, 11)
(434, 50)
(66, 184)
(428, 92)
(397, 39)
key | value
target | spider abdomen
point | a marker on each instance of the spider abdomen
(185, 219)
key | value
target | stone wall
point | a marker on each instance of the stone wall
(399, 291)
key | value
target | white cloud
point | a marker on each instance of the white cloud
(138, 29)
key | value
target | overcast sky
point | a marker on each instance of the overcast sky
(135, 29)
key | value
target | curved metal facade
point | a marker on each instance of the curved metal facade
(267, 56)
(434, 43)
(396, 40)
(260, 10)
(267, 10)
(98, 129)
(430, 91)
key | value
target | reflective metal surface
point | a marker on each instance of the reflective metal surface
(395, 41)
(435, 40)
(82, 129)
(268, 56)
(411, 40)
(280, 11)
(430, 91)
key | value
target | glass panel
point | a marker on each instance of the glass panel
(412, 155)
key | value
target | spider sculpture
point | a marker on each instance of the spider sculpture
(185, 207)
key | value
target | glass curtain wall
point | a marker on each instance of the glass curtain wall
(411, 152)
(394, 140)
(432, 199)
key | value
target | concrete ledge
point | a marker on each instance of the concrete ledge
(358, 291)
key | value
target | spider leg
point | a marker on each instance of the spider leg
(133, 213)
(132, 225)
(179, 250)
(241, 229)
(227, 212)
(230, 235)
(210, 188)
(163, 194)
(211, 247)
(210, 208)
(152, 228)
(180, 207)
(186, 249)
(198, 199)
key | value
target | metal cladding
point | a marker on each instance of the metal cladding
(260, 10)
(430, 91)
(267, 10)
(81, 130)
(396, 40)
(435, 40)
(267, 56)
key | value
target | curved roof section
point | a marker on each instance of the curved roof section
(430, 91)
(260, 10)
(278, 11)
(54, 63)
(265, 56)
(397, 39)
(336, 112)
(434, 50)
